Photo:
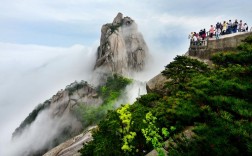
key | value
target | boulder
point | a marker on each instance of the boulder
(157, 84)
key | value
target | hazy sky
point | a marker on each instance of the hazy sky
(47, 44)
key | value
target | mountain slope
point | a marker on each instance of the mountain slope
(122, 51)
(215, 103)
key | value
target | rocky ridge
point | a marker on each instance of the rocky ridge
(61, 108)
(65, 101)
(154, 85)
(122, 51)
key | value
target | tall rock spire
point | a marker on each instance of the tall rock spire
(122, 48)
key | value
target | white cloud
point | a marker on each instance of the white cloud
(37, 18)
(40, 134)
(31, 74)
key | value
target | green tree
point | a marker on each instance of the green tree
(106, 139)
(215, 103)
(128, 136)
(181, 70)
(151, 133)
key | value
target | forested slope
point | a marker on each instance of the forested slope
(216, 102)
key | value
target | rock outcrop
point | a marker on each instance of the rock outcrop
(122, 48)
(74, 94)
(157, 84)
(65, 101)
(71, 146)
(122, 51)
(60, 113)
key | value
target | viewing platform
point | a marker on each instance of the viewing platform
(205, 48)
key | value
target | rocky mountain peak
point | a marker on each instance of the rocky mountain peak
(122, 48)
(122, 51)
(118, 19)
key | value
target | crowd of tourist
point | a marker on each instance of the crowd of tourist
(218, 30)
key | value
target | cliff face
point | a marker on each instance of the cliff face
(76, 93)
(122, 48)
(65, 101)
(71, 146)
(57, 121)
(122, 51)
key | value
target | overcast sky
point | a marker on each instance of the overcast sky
(47, 44)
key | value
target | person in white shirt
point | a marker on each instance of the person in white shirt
(242, 28)
(195, 40)
(245, 27)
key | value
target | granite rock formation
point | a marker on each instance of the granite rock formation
(122, 51)
(157, 84)
(122, 48)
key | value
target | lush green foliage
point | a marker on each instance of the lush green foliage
(107, 139)
(151, 133)
(243, 56)
(88, 115)
(248, 40)
(224, 98)
(110, 92)
(128, 136)
(181, 70)
(113, 87)
(216, 102)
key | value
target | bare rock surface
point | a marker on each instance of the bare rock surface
(122, 48)
(74, 94)
(122, 51)
(157, 84)
(71, 146)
